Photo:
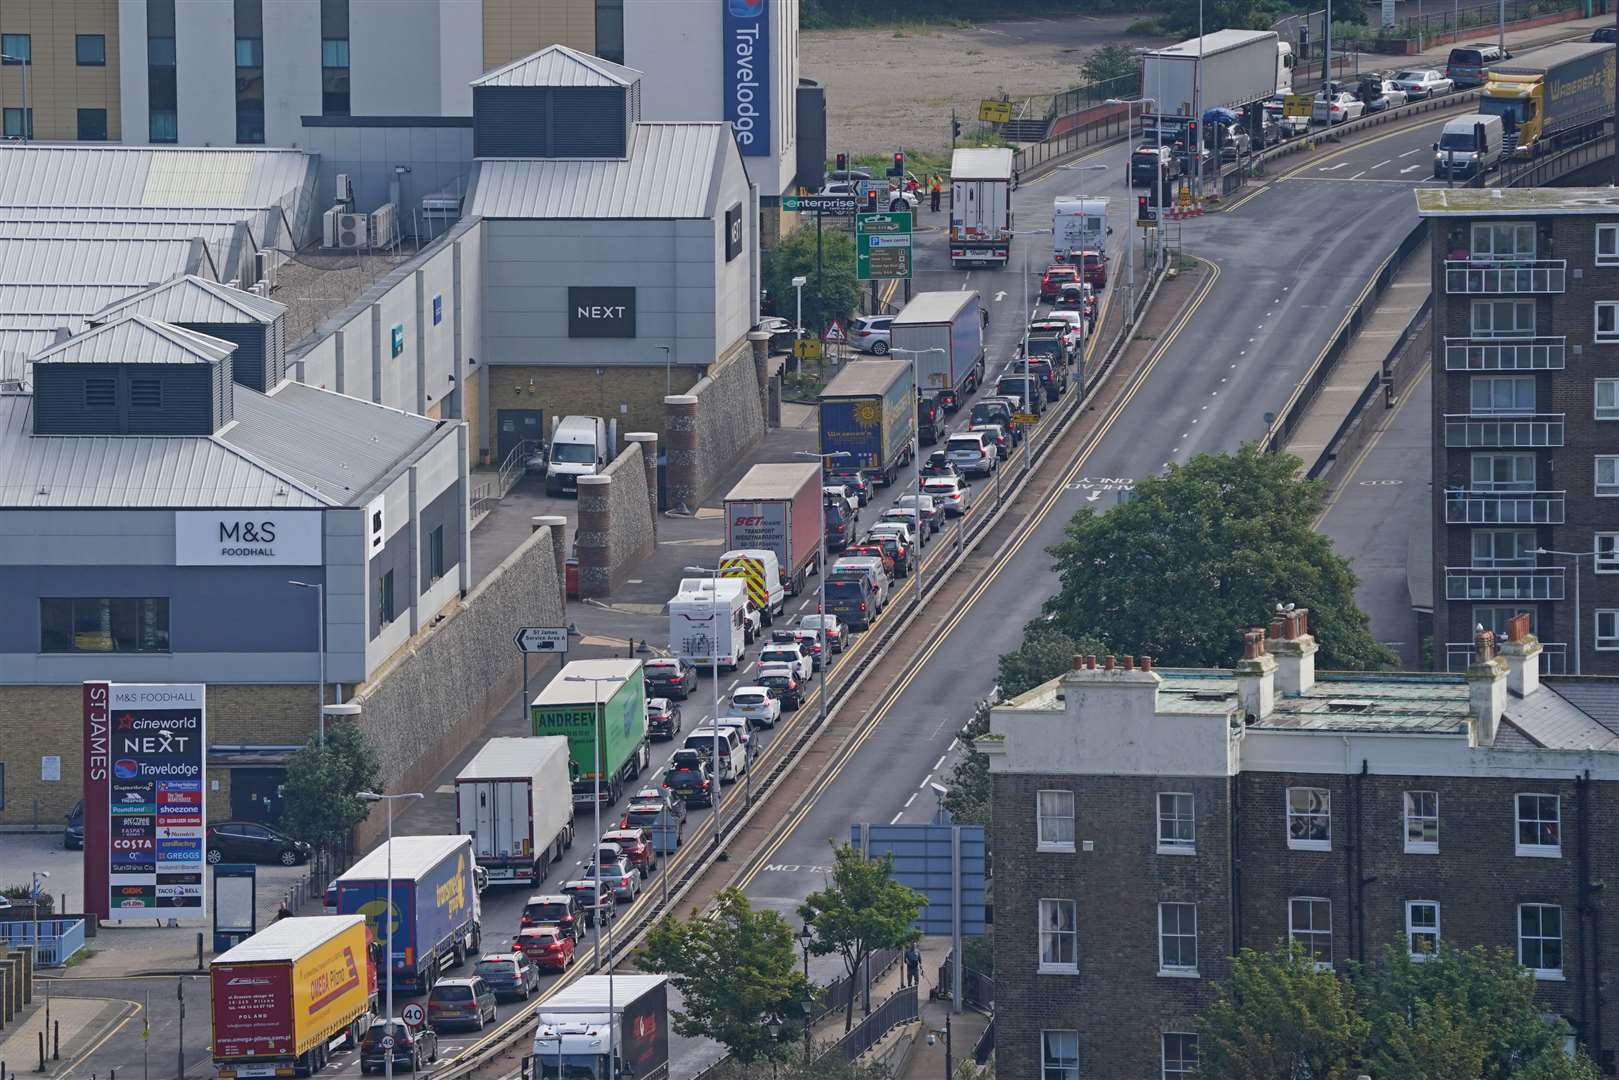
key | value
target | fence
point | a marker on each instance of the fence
(1112, 126)
(835, 998)
(900, 1008)
(58, 939)
(977, 989)
(487, 493)
(1098, 93)
(1452, 22)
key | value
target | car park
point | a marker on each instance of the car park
(1421, 83)
(950, 492)
(870, 333)
(787, 652)
(787, 690)
(469, 1002)
(254, 842)
(687, 777)
(512, 975)
(547, 949)
(925, 508)
(412, 1049)
(561, 910)
(851, 478)
(597, 906)
(755, 703)
(1053, 278)
(662, 718)
(827, 624)
(670, 676)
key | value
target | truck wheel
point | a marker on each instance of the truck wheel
(477, 940)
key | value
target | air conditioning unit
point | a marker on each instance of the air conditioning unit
(345, 191)
(328, 227)
(352, 231)
(384, 230)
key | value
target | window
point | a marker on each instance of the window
(1540, 939)
(249, 52)
(1509, 240)
(160, 52)
(1495, 617)
(1180, 1055)
(95, 624)
(610, 30)
(1607, 470)
(1055, 810)
(1059, 949)
(435, 554)
(1421, 821)
(1607, 245)
(385, 597)
(1503, 318)
(1607, 325)
(1607, 399)
(1421, 928)
(162, 94)
(1504, 472)
(100, 393)
(1539, 830)
(1059, 1055)
(1309, 819)
(164, 126)
(1504, 547)
(1607, 553)
(1502, 394)
(1309, 926)
(14, 125)
(249, 56)
(1177, 939)
(93, 125)
(146, 393)
(18, 49)
(334, 76)
(1177, 823)
(90, 50)
(1607, 629)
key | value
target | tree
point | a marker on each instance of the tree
(1203, 551)
(967, 794)
(826, 1068)
(320, 807)
(1045, 653)
(794, 255)
(734, 971)
(1108, 63)
(1277, 1015)
(864, 909)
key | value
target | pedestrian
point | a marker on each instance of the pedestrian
(933, 193)
(913, 964)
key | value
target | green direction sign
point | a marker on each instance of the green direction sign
(882, 245)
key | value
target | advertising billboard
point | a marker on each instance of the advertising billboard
(144, 810)
(747, 74)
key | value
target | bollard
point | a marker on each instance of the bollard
(199, 950)
(42, 1051)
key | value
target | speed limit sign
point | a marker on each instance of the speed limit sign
(387, 1042)
(413, 1015)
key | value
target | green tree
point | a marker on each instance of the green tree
(735, 971)
(794, 255)
(967, 794)
(320, 807)
(1201, 552)
(1109, 62)
(1045, 652)
(1277, 1015)
(864, 909)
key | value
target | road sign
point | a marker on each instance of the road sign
(545, 639)
(882, 245)
(922, 860)
(807, 349)
(991, 111)
(834, 333)
(1298, 105)
(387, 1042)
(413, 1015)
(832, 205)
(1026, 418)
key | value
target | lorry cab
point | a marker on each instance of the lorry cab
(578, 448)
(1460, 151)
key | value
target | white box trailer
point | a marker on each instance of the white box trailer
(981, 207)
(704, 622)
(515, 799)
(1239, 67)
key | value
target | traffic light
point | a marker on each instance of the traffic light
(1142, 213)
(955, 128)
(899, 164)
(871, 200)
(1192, 145)
(843, 163)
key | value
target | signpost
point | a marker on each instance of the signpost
(413, 1015)
(539, 639)
(1298, 105)
(991, 111)
(807, 349)
(882, 245)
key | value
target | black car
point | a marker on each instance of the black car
(249, 841)
(593, 902)
(995, 412)
(690, 781)
(787, 689)
(73, 831)
(938, 464)
(1608, 34)
(949, 400)
(662, 718)
(850, 599)
(840, 522)
(561, 910)
(412, 1050)
(851, 478)
(929, 419)
(670, 676)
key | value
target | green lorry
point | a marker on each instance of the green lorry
(603, 720)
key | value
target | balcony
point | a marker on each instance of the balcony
(1553, 657)
(1484, 430)
(1503, 583)
(1503, 507)
(1505, 276)
(1505, 354)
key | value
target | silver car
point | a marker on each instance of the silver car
(1419, 83)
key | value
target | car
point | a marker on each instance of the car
(1468, 64)
(869, 333)
(788, 652)
(1234, 140)
(893, 198)
(784, 688)
(687, 776)
(1339, 107)
(835, 633)
(595, 905)
(840, 493)
(562, 910)
(1069, 335)
(954, 495)
(1092, 268)
(513, 975)
(636, 844)
(872, 551)
(73, 830)
(850, 478)
(806, 640)
(1054, 276)
(1276, 110)
(1000, 440)
(251, 841)
(1420, 83)
(670, 676)
(1609, 34)
(413, 1049)
(911, 518)
(617, 873)
(547, 948)
(939, 464)
(1380, 95)
(971, 452)
(662, 718)
(648, 814)
(1000, 411)
(1053, 376)
(468, 1001)
(673, 803)
(752, 622)
(925, 507)
(757, 704)
(894, 547)
(1151, 160)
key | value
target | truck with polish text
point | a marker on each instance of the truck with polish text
(515, 799)
(981, 207)
(581, 1025)
(868, 411)
(777, 507)
(604, 723)
(1551, 97)
(945, 332)
(436, 917)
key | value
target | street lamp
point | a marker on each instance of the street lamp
(668, 373)
(33, 894)
(820, 621)
(1578, 617)
(388, 1008)
(916, 457)
(320, 644)
(798, 287)
(1157, 196)
(805, 939)
(714, 651)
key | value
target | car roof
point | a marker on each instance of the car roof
(463, 980)
(547, 898)
(658, 702)
(537, 931)
(514, 957)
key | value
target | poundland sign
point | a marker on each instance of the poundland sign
(747, 74)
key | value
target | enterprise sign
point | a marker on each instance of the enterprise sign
(247, 538)
(746, 84)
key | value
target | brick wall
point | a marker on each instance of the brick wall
(580, 391)
(616, 531)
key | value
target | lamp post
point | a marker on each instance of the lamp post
(1130, 263)
(1578, 617)
(799, 281)
(388, 1008)
(805, 938)
(714, 650)
(820, 619)
(320, 644)
(33, 894)
(916, 457)
(26, 129)
(668, 371)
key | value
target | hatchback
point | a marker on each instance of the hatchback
(547, 948)
(662, 718)
(561, 910)
(997, 411)
(833, 629)
(856, 481)
(1053, 279)
(785, 688)
(513, 975)
(971, 453)
(73, 831)
(593, 904)
(670, 676)
(467, 1001)
(249, 841)
(910, 517)
(951, 492)
(636, 845)
(690, 781)
(891, 545)
(412, 1050)
(996, 437)
(870, 334)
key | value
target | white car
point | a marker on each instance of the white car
(752, 622)
(787, 652)
(889, 198)
(1419, 83)
(956, 496)
(869, 333)
(757, 705)
(1338, 108)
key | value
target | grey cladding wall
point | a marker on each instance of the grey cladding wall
(395, 558)
(526, 121)
(131, 399)
(440, 514)
(247, 367)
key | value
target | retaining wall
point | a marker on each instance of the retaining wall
(704, 442)
(616, 531)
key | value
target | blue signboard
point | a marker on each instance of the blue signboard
(438, 308)
(747, 74)
(397, 339)
(922, 856)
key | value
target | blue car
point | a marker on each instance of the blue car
(73, 831)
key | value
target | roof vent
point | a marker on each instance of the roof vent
(1350, 705)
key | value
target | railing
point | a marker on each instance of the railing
(900, 1008)
(1080, 97)
(1515, 276)
(1553, 657)
(977, 989)
(835, 997)
(1504, 507)
(985, 1045)
(1482, 430)
(1108, 127)
(1503, 583)
(58, 939)
(1505, 354)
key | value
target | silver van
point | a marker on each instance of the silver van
(971, 452)
(733, 754)
(1459, 154)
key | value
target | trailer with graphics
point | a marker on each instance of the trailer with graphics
(437, 917)
(1551, 97)
(282, 998)
(777, 508)
(868, 412)
(604, 723)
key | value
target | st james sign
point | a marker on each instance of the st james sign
(601, 311)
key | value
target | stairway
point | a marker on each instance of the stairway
(1027, 130)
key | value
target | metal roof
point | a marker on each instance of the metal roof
(514, 755)
(862, 377)
(930, 308)
(336, 445)
(412, 857)
(191, 177)
(43, 261)
(560, 691)
(137, 339)
(289, 939)
(994, 163)
(1217, 41)
(193, 299)
(1547, 57)
(776, 480)
(61, 301)
(672, 171)
(558, 65)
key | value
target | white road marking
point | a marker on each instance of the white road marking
(1329, 168)
(895, 819)
(1380, 164)
(936, 764)
(734, 682)
(909, 801)
(999, 296)
(1358, 175)
(954, 743)
(1410, 168)
(925, 781)
(1408, 153)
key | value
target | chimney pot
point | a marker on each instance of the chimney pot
(1077, 663)
(1129, 663)
(1146, 663)
(1108, 662)
(1302, 622)
(1484, 646)
(1278, 627)
(1518, 626)
(1090, 662)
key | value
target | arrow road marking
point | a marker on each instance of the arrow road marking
(1093, 496)
(999, 296)
(1410, 168)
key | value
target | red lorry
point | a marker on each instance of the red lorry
(778, 508)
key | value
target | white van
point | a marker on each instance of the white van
(578, 448)
(1457, 154)
(761, 570)
(971, 452)
(704, 622)
(733, 754)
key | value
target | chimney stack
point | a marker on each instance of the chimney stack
(1129, 663)
(1486, 687)
(1522, 653)
(1256, 676)
(1290, 642)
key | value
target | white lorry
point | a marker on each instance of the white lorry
(1078, 223)
(626, 1016)
(1240, 67)
(980, 207)
(515, 799)
(708, 619)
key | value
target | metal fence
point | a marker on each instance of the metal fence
(1110, 127)
(58, 939)
(1082, 97)
(977, 989)
(835, 997)
(900, 1008)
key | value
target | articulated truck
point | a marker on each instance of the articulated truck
(981, 207)
(868, 414)
(603, 721)
(579, 1027)
(437, 919)
(1551, 97)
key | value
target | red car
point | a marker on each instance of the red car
(1093, 268)
(634, 844)
(1054, 277)
(548, 948)
(873, 550)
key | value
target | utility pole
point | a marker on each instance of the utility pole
(180, 1047)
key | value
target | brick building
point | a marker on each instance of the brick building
(1148, 823)
(1525, 462)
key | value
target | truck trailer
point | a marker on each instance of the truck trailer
(1551, 97)
(868, 412)
(981, 207)
(515, 799)
(437, 919)
(605, 725)
(1239, 68)
(953, 322)
(582, 1024)
(281, 998)
(777, 507)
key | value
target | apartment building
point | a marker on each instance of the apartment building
(1526, 420)
(1149, 823)
(59, 65)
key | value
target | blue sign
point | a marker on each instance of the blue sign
(922, 856)
(747, 74)
(397, 338)
(438, 309)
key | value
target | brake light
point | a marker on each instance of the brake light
(862, 605)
